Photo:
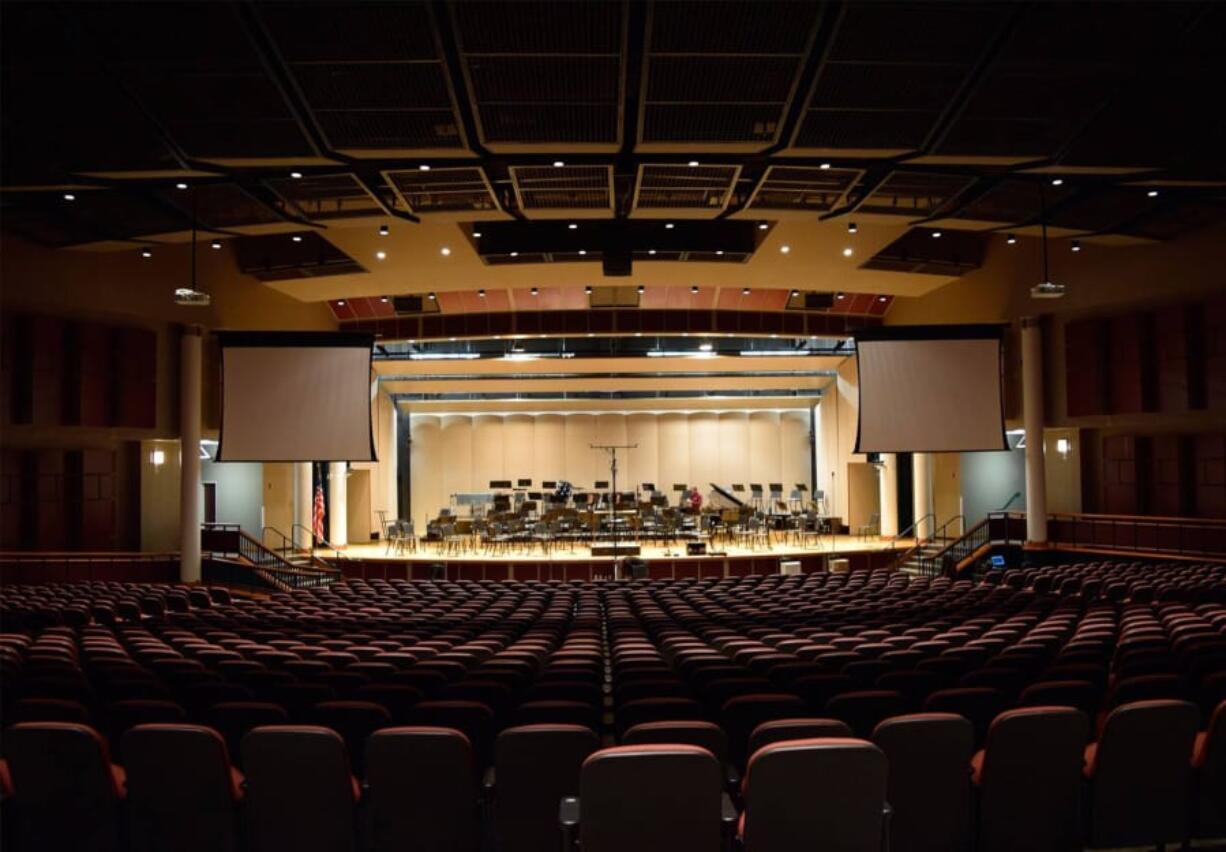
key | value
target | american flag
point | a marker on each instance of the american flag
(317, 516)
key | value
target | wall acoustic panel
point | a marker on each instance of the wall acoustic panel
(549, 447)
(519, 455)
(1171, 352)
(765, 454)
(1210, 467)
(489, 449)
(425, 468)
(795, 449)
(583, 466)
(674, 446)
(734, 449)
(1215, 355)
(1131, 358)
(456, 457)
(704, 449)
(1119, 478)
(643, 462)
(1085, 355)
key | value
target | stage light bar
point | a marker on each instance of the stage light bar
(661, 353)
(773, 353)
(444, 356)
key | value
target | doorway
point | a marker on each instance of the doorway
(210, 502)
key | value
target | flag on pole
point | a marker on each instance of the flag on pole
(317, 516)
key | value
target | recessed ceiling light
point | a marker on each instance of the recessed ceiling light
(340, 303)
(851, 227)
(557, 164)
(719, 252)
(1057, 182)
(638, 334)
(146, 253)
(445, 251)
(1011, 239)
(744, 291)
(1153, 193)
(384, 230)
(68, 196)
(795, 293)
(785, 249)
(591, 334)
(582, 251)
(296, 175)
(936, 235)
(1076, 246)
(848, 252)
(762, 226)
(840, 296)
(380, 255)
(514, 254)
(180, 185)
(824, 166)
(481, 293)
(296, 238)
(881, 298)
(535, 291)
(476, 235)
(651, 251)
(640, 289)
(383, 300)
(588, 289)
(668, 226)
(573, 226)
(216, 244)
(692, 163)
(705, 347)
(424, 167)
(694, 289)
(452, 339)
(431, 296)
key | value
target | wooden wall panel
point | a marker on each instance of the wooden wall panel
(93, 372)
(46, 371)
(135, 359)
(1215, 355)
(1171, 351)
(1119, 477)
(1085, 353)
(1166, 479)
(1210, 471)
(1126, 366)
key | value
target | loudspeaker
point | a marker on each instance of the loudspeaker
(407, 304)
(634, 569)
(819, 301)
(695, 548)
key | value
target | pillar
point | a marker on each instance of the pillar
(924, 504)
(338, 504)
(889, 494)
(304, 503)
(189, 448)
(1032, 420)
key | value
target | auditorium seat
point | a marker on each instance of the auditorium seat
(1080, 694)
(642, 710)
(182, 790)
(354, 721)
(929, 790)
(1031, 765)
(473, 719)
(536, 766)
(67, 794)
(301, 794)
(741, 715)
(122, 715)
(1140, 776)
(422, 790)
(234, 719)
(648, 798)
(820, 793)
(47, 710)
(780, 730)
(864, 710)
(978, 705)
(558, 713)
(1209, 768)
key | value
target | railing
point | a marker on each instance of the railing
(314, 541)
(288, 548)
(229, 539)
(933, 564)
(1175, 536)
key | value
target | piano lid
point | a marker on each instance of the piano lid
(727, 495)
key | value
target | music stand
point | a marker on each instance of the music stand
(755, 500)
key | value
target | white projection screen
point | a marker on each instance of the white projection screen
(295, 396)
(931, 389)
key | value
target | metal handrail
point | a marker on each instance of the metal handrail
(316, 541)
(915, 526)
(930, 565)
(264, 558)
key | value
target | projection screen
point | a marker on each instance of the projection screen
(931, 389)
(295, 396)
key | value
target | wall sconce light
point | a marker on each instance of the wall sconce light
(1063, 447)
(157, 458)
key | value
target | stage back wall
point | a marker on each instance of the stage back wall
(453, 453)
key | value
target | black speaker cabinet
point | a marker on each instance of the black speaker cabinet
(695, 548)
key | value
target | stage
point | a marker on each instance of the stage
(575, 562)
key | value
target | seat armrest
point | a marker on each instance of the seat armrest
(887, 812)
(488, 781)
(732, 779)
(568, 821)
(727, 812)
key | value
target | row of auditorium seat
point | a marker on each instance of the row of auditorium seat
(918, 785)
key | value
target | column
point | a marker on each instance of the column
(921, 477)
(338, 504)
(304, 503)
(189, 448)
(889, 494)
(1032, 419)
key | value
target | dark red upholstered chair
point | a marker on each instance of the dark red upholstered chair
(782, 730)
(1140, 775)
(67, 794)
(47, 710)
(422, 790)
(397, 699)
(741, 715)
(978, 705)
(642, 710)
(123, 715)
(1028, 776)
(354, 721)
(182, 789)
(648, 798)
(536, 766)
(301, 794)
(864, 710)
(821, 793)
(693, 732)
(234, 719)
(1209, 766)
(929, 789)
(558, 713)
(1080, 694)
(473, 719)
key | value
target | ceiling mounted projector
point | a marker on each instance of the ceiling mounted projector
(191, 298)
(1047, 290)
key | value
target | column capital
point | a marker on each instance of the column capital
(1031, 322)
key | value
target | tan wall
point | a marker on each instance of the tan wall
(947, 488)
(159, 496)
(279, 497)
(863, 495)
(837, 422)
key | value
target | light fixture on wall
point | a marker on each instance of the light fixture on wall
(1063, 446)
(157, 458)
